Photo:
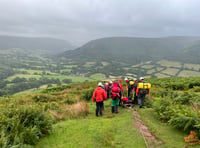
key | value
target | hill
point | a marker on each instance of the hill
(64, 116)
(36, 44)
(130, 50)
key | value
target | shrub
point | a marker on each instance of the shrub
(69, 101)
(191, 85)
(184, 118)
(23, 127)
(43, 98)
(87, 95)
(161, 105)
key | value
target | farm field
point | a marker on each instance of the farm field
(29, 72)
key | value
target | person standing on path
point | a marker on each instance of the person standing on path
(99, 95)
(141, 93)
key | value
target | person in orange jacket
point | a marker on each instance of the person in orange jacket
(99, 95)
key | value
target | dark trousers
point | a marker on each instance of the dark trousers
(130, 93)
(141, 100)
(99, 108)
(135, 101)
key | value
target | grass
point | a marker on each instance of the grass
(167, 63)
(160, 75)
(171, 137)
(27, 76)
(97, 76)
(151, 71)
(192, 66)
(147, 66)
(171, 71)
(31, 72)
(108, 131)
(75, 79)
(188, 73)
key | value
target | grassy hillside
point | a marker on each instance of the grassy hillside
(103, 59)
(136, 50)
(35, 44)
(67, 114)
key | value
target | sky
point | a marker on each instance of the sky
(79, 21)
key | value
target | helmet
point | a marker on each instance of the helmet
(106, 83)
(131, 82)
(110, 82)
(125, 78)
(100, 84)
(141, 78)
(119, 80)
(134, 79)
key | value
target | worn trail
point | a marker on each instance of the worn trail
(150, 140)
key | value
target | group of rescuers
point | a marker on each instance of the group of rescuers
(115, 91)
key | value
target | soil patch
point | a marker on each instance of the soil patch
(150, 140)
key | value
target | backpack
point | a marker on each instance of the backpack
(115, 89)
(143, 92)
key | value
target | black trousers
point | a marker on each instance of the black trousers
(141, 100)
(130, 93)
(135, 101)
(99, 108)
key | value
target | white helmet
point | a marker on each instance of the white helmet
(126, 79)
(106, 83)
(134, 79)
(100, 84)
(141, 78)
(110, 81)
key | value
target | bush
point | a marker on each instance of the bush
(184, 118)
(43, 98)
(87, 95)
(23, 127)
(191, 85)
(184, 99)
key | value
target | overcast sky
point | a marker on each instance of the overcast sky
(80, 21)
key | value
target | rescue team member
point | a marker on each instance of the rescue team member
(141, 93)
(99, 95)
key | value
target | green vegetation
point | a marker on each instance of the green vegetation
(108, 131)
(103, 59)
(66, 114)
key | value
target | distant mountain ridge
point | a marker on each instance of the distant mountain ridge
(135, 50)
(44, 44)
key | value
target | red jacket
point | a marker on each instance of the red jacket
(121, 87)
(99, 94)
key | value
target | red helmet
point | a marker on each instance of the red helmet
(119, 80)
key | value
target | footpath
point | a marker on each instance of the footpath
(150, 140)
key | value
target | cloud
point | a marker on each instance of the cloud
(79, 21)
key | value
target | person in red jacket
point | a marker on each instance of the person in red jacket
(99, 95)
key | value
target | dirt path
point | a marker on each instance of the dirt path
(150, 140)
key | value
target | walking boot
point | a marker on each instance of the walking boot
(116, 111)
(113, 109)
(97, 113)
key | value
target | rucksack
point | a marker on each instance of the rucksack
(115, 89)
(115, 84)
(143, 92)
